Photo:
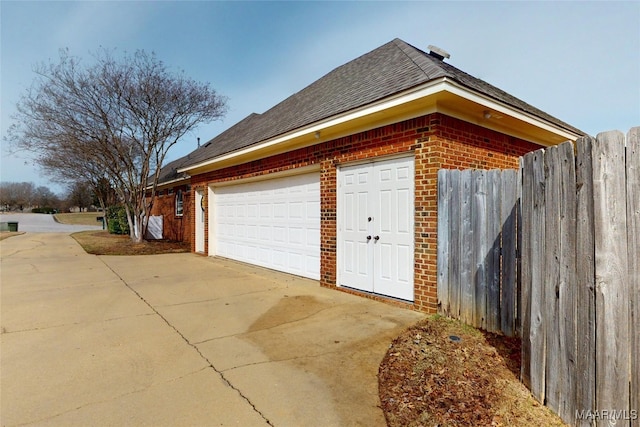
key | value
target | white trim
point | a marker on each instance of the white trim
(165, 184)
(376, 159)
(428, 89)
(425, 90)
(211, 207)
(199, 218)
(273, 175)
(503, 108)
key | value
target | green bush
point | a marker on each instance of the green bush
(117, 220)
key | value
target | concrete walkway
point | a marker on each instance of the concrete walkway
(181, 339)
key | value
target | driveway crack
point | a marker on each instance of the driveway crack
(193, 346)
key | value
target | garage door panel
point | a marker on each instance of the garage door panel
(313, 238)
(274, 223)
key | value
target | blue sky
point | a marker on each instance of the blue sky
(578, 61)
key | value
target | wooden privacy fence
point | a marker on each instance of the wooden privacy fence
(477, 247)
(573, 214)
(581, 278)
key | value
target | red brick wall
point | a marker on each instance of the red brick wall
(450, 143)
(438, 141)
(177, 228)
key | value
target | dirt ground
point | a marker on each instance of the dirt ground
(443, 373)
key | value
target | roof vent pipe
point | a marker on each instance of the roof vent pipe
(198, 142)
(435, 51)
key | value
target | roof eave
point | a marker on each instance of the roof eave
(427, 91)
(170, 183)
(501, 107)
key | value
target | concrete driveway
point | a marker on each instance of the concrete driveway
(181, 340)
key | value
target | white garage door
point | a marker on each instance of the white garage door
(273, 223)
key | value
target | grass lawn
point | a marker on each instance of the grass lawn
(80, 218)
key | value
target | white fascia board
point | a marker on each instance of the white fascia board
(422, 91)
(500, 107)
(273, 175)
(168, 183)
(430, 88)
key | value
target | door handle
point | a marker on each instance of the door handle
(376, 238)
(368, 238)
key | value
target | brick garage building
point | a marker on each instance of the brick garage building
(339, 181)
(173, 203)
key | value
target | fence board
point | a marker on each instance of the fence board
(493, 248)
(508, 213)
(444, 243)
(470, 277)
(552, 278)
(611, 272)
(633, 241)
(576, 295)
(567, 283)
(454, 244)
(467, 286)
(536, 234)
(585, 324)
(480, 245)
(518, 216)
(526, 197)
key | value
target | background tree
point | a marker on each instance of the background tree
(25, 195)
(80, 194)
(44, 197)
(17, 195)
(113, 120)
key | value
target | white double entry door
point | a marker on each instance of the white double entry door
(376, 227)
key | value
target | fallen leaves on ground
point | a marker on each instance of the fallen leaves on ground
(430, 378)
(103, 243)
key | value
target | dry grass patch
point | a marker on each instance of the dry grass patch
(428, 378)
(103, 243)
(79, 218)
(7, 234)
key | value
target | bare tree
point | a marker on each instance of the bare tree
(44, 197)
(80, 194)
(25, 195)
(17, 195)
(114, 120)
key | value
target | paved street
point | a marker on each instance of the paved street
(43, 223)
(179, 340)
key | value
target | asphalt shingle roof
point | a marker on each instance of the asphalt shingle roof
(392, 68)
